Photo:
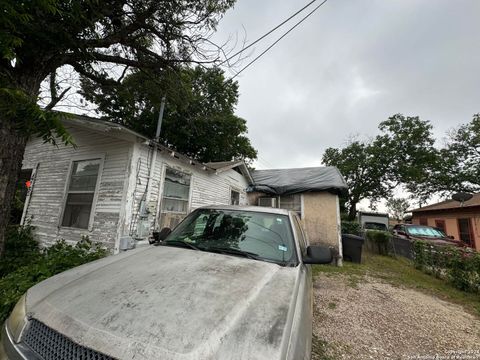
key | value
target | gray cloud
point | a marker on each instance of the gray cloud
(350, 66)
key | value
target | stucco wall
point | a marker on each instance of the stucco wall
(320, 218)
(451, 222)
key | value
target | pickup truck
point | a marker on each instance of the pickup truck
(227, 283)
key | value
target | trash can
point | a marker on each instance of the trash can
(352, 247)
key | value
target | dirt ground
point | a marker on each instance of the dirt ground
(370, 319)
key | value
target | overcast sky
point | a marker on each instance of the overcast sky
(352, 64)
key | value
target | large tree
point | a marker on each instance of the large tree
(363, 169)
(38, 37)
(459, 162)
(407, 146)
(397, 207)
(199, 118)
(402, 155)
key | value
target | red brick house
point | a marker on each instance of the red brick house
(462, 221)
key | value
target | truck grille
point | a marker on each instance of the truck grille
(51, 345)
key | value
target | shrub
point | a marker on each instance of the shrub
(38, 264)
(459, 266)
(21, 248)
(379, 241)
(351, 227)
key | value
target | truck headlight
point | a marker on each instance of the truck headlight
(17, 319)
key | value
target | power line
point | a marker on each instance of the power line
(278, 40)
(268, 33)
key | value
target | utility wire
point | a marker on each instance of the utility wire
(268, 33)
(280, 38)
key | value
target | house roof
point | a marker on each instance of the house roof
(121, 131)
(99, 124)
(291, 181)
(451, 204)
(221, 166)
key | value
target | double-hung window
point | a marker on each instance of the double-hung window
(176, 191)
(175, 198)
(80, 193)
(234, 197)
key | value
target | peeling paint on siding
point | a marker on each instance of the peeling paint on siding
(47, 199)
(122, 186)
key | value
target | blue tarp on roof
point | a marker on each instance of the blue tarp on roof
(291, 181)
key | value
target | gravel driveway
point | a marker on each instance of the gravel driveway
(374, 320)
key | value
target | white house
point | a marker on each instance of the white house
(116, 185)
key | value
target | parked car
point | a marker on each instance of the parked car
(226, 283)
(430, 234)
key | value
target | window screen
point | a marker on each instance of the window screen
(234, 197)
(267, 202)
(465, 231)
(291, 202)
(81, 191)
(176, 190)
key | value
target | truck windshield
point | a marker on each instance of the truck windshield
(257, 235)
(375, 226)
(424, 231)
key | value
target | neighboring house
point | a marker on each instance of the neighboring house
(312, 192)
(462, 221)
(113, 186)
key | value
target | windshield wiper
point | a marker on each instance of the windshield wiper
(231, 251)
(180, 243)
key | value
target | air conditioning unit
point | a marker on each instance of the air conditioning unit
(267, 202)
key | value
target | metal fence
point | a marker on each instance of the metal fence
(401, 247)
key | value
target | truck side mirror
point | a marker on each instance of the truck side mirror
(162, 235)
(317, 254)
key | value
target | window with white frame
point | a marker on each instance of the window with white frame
(176, 191)
(80, 193)
(267, 201)
(234, 197)
(291, 202)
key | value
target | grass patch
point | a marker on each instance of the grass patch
(321, 349)
(401, 272)
(332, 305)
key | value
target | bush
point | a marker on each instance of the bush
(459, 266)
(38, 264)
(351, 227)
(20, 249)
(379, 241)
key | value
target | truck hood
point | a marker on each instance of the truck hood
(171, 303)
(437, 240)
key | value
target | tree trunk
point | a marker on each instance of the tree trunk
(12, 147)
(352, 212)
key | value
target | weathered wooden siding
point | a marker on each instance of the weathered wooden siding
(206, 187)
(47, 198)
